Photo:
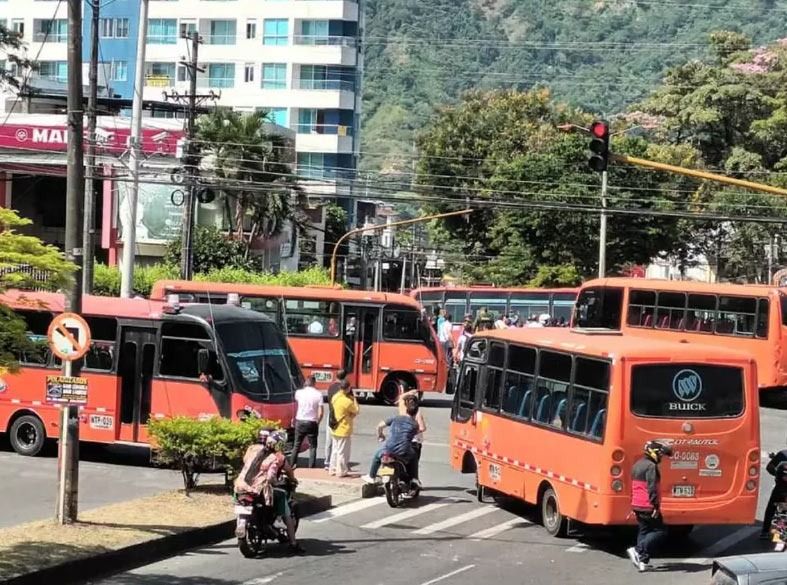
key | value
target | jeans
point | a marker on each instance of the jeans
(305, 429)
(410, 461)
(778, 495)
(651, 532)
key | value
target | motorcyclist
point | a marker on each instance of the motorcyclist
(777, 467)
(403, 429)
(263, 465)
(418, 440)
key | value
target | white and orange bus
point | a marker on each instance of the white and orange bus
(144, 362)
(557, 418)
(748, 318)
(379, 339)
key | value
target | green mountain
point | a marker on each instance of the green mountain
(603, 55)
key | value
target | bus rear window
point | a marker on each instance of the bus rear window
(687, 391)
(599, 308)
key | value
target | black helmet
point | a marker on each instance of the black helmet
(656, 450)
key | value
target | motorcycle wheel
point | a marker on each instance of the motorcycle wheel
(250, 544)
(392, 493)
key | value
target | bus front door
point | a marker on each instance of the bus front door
(135, 370)
(360, 331)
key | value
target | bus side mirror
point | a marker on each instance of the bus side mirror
(203, 361)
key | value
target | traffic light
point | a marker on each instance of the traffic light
(599, 146)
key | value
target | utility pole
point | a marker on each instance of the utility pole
(602, 233)
(187, 232)
(68, 456)
(89, 221)
(129, 222)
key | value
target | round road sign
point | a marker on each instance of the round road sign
(69, 336)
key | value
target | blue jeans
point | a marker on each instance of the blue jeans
(409, 460)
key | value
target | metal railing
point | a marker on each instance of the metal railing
(228, 39)
(325, 84)
(325, 129)
(325, 40)
(33, 273)
(52, 37)
(217, 82)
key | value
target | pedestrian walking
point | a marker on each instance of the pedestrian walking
(332, 390)
(777, 467)
(446, 338)
(345, 409)
(646, 504)
(307, 420)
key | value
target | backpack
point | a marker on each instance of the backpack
(333, 422)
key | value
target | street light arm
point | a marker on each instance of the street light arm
(383, 226)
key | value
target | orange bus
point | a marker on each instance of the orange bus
(379, 339)
(557, 418)
(145, 362)
(749, 318)
(460, 301)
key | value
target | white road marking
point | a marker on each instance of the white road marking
(727, 542)
(447, 575)
(500, 528)
(409, 513)
(428, 444)
(471, 515)
(579, 547)
(346, 509)
(262, 580)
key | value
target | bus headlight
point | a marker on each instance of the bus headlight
(754, 471)
(617, 486)
(751, 485)
(615, 470)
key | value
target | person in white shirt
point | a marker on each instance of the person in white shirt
(500, 323)
(307, 420)
(467, 333)
(315, 327)
(445, 334)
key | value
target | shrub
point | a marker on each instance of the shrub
(192, 446)
(106, 280)
(213, 249)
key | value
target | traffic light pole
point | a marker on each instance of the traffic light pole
(602, 234)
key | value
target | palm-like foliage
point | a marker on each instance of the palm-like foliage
(253, 170)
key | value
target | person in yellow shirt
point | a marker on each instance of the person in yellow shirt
(344, 407)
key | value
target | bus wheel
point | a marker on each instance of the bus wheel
(27, 435)
(555, 523)
(390, 390)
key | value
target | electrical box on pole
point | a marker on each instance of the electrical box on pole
(599, 146)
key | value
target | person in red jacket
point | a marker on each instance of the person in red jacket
(646, 503)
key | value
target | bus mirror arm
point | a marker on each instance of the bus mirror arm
(203, 362)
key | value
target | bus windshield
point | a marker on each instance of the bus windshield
(260, 361)
(687, 391)
(599, 307)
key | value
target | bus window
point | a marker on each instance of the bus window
(599, 308)
(551, 399)
(494, 375)
(456, 305)
(588, 410)
(495, 303)
(402, 323)
(642, 308)
(671, 311)
(466, 394)
(783, 307)
(429, 299)
(686, 391)
(37, 330)
(477, 350)
(762, 317)
(269, 307)
(737, 316)
(701, 313)
(518, 394)
(101, 355)
(562, 306)
(313, 318)
(180, 343)
(527, 304)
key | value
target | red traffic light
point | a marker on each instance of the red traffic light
(599, 129)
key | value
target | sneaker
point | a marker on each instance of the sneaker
(642, 567)
(634, 557)
(416, 483)
(368, 479)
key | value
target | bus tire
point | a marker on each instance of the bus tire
(391, 388)
(553, 520)
(27, 435)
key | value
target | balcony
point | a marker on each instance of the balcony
(325, 84)
(52, 37)
(325, 41)
(220, 39)
(326, 129)
(338, 143)
(159, 80)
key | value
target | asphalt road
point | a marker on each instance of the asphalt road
(448, 537)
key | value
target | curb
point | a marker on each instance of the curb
(145, 553)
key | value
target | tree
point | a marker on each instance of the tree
(335, 228)
(253, 169)
(25, 263)
(213, 250)
(537, 201)
(10, 45)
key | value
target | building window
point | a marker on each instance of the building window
(222, 32)
(18, 26)
(248, 72)
(159, 74)
(314, 32)
(277, 116)
(52, 31)
(187, 27)
(183, 74)
(162, 31)
(113, 28)
(274, 76)
(327, 77)
(251, 29)
(119, 71)
(311, 165)
(54, 70)
(221, 75)
(276, 31)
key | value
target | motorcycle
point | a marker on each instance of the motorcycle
(396, 481)
(257, 524)
(779, 528)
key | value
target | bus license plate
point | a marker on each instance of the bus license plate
(683, 491)
(243, 510)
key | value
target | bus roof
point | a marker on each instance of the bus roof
(684, 286)
(223, 313)
(91, 305)
(490, 289)
(613, 344)
(164, 287)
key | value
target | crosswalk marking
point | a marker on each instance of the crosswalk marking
(471, 515)
(410, 513)
(499, 529)
(356, 506)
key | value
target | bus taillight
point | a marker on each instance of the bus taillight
(615, 470)
(617, 486)
(751, 485)
(754, 456)
(618, 455)
(754, 471)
